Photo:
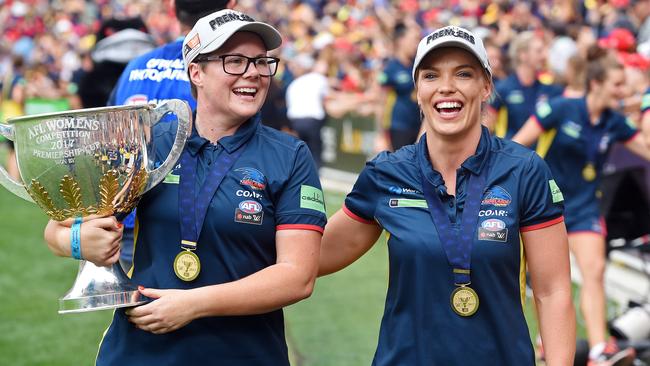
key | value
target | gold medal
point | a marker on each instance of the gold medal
(464, 301)
(589, 172)
(187, 265)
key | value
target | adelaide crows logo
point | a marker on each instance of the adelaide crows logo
(252, 178)
(497, 196)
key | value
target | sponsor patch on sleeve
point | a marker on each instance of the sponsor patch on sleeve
(556, 194)
(544, 109)
(312, 198)
(405, 202)
(172, 179)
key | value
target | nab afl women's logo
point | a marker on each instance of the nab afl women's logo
(493, 230)
(251, 207)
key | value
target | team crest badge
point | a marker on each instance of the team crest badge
(252, 178)
(497, 196)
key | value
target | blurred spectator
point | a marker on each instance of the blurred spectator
(306, 102)
(274, 110)
(12, 105)
(575, 77)
(497, 60)
(518, 94)
(636, 69)
(619, 39)
(39, 84)
(398, 102)
(118, 42)
(634, 17)
(160, 75)
(585, 38)
(562, 48)
(641, 16)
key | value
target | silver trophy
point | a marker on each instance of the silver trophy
(95, 161)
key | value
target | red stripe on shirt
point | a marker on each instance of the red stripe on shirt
(356, 217)
(299, 227)
(542, 225)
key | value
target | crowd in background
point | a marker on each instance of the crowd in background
(46, 46)
(46, 41)
(338, 56)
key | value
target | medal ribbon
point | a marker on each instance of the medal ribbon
(457, 244)
(593, 135)
(193, 209)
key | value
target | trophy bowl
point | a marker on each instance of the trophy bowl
(96, 161)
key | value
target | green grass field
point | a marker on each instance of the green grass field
(337, 326)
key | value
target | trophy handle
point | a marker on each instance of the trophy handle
(7, 181)
(183, 112)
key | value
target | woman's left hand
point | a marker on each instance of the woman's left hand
(168, 311)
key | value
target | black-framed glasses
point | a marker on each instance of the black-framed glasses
(238, 64)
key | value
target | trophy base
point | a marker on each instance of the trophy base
(69, 305)
(100, 288)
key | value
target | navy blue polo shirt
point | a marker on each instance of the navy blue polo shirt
(514, 103)
(272, 186)
(419, 326)
(566, 145)
(405, 114)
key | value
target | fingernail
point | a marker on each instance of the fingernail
(119, 225)
(140, 288)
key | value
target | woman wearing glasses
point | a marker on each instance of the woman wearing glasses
(218, 292)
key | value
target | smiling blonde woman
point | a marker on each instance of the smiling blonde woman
(466, 213)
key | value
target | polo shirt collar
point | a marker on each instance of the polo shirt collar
(475, 163)
(478, 161)
(584, 109)
(230, 143)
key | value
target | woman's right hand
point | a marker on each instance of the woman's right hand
(100, 239)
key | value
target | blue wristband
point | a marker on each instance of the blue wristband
(75, 238)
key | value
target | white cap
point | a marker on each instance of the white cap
(452, 36)
(212, 31)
